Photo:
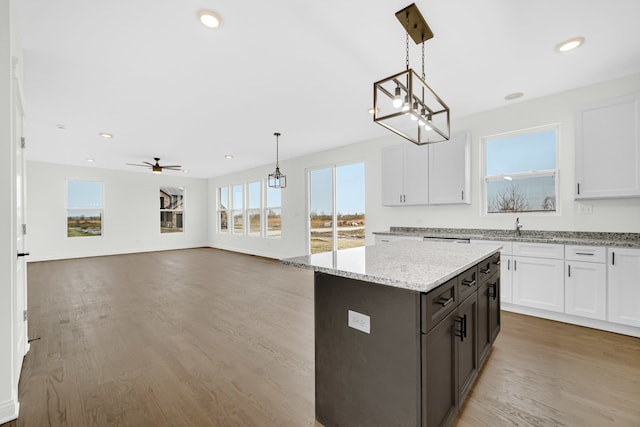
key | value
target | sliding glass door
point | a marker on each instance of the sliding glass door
(336, 207)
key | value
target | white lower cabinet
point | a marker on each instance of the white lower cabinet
(538, 283)
(585, 285)
(623, 280)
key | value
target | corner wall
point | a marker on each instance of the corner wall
(131, 220)
(613, 215)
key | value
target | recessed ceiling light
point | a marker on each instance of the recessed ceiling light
(514, 95)
(61, 126)
(106, 135)
(185, 170)
(570, 44)
(210, 19)
(228, 156)
(90, 160)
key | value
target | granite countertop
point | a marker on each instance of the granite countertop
(582, 238)
(413, 265)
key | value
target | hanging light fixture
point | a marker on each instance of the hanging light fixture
(277, 179)
(411, 109)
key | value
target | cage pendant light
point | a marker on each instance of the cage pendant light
(277, 179)
(403, 102)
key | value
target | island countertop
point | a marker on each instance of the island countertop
(417, 266)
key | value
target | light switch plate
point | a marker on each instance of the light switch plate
(360, 321)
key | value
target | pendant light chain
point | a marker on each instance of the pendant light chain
(407, 42)
(423, 77)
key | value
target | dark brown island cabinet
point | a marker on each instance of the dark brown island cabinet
(414, 359)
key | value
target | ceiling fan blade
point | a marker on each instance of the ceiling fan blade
(150, 164)
(170, 166)
(134, 164)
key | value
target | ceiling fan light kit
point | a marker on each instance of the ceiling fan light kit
(277, 179)
(403, 102)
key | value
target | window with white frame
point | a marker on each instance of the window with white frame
(521, 171)
(84, 208)
(254, 203)
(223, 209)
(171, 209)
(273, 213)
(237, 201)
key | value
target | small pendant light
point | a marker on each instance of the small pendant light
(277, 179)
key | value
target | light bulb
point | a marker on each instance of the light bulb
(397, 99)
(414, 113)
(423, 114)
(405, 105)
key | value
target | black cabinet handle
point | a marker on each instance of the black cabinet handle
(487, 271)
(462, 333)
(493, 290)
(613, 258)
(469, 283)
(444, 301)
(23, 254)
(508, 264)
(515, 265)
(578, 188)
(569, 269)
(584, 253)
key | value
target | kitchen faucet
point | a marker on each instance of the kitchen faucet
(518, 227)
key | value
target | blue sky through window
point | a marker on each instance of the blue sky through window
(84, 194)
(522, 153)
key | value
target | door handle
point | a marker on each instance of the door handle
(23, 254)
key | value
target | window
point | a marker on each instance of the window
(84, 208)
(254, 203)
(336, 208)
(521, 171)
(223, 209)
(238, 206)
(171, 209)
(273, 212)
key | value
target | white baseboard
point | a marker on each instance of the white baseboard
(9, 411)
(574, 320)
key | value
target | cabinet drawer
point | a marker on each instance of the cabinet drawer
(538, 250)
(468, 283)
(487, 267)
(436, 304)
(507, 247)
(586, 253)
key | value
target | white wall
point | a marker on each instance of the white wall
(614, 215)
(131, 220)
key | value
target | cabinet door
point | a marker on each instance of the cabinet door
(416, 174)
(488, 315)
(539, 283)
(608, 149)
(439, 349)
(624, 286)
(392, 175)
(506, 282)
(449, 170)
(467, 345)
(585, 289)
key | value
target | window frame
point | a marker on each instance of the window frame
(219, 211)
(182, 211)
(267, 208)
(241, 211)
(484, 178)
(101, 209)
(249, 210)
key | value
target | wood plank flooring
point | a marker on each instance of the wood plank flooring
(204, 337)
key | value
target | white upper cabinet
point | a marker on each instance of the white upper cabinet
(405, 174)
(428, 174)
(449, 167)
(608, 149)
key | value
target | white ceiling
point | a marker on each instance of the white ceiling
(165, 86)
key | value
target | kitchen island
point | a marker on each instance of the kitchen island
(401, 330)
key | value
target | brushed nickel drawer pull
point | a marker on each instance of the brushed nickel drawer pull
(443, 301)
(469, 282)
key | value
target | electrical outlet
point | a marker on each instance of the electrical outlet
(585, 209)
(360, 321)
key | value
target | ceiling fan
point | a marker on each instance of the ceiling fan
(157, 167)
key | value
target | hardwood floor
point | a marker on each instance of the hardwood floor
(204, 337)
